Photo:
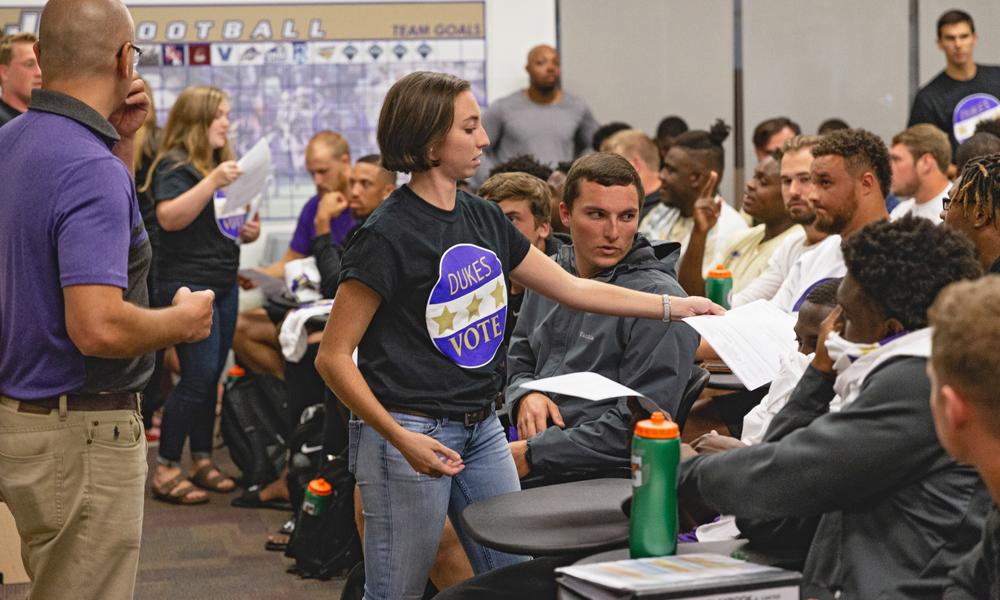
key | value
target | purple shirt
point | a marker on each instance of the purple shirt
(68, 216)
(305, 229)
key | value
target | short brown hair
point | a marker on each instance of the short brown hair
(632, 142)
(335, 142)
(603, 168)
(925, 138)
(520, 186)
(7, 45)
(966, 321)
(861, 150)
(954, 17)
(417, 114)
(797, 144)
(765, 129)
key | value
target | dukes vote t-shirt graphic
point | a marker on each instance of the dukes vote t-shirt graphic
(467, 308)
(229, 223)
(970, 111)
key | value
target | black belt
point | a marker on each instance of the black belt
(468, 418)
(85, 402)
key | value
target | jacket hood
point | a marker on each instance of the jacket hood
(644, 255)
(555, 242)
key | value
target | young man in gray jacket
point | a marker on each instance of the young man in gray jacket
(563, 434)
(895, 512)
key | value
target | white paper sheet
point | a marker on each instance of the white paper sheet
(589, 386)
(256, 167)
(750, 339)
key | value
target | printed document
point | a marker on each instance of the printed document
(256, 167)
(750, 339)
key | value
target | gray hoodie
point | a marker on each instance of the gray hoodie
(649, 356)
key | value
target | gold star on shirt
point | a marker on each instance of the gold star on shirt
(445, 321)
(474, 306)
(498, 294)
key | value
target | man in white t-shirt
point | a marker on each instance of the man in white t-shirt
(687, 169)
(850, 174)
(920, 156)
(796, 184)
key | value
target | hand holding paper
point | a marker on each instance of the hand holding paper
(255, 166)
(750, 339)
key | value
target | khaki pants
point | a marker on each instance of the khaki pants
(74, 482)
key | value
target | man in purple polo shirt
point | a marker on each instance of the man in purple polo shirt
(328, 160)
(75, 333)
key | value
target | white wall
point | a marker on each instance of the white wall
(638, 61)
(512, 28)
(822, 67)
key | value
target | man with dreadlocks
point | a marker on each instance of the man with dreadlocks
(972, 208)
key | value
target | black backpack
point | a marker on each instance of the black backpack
(327, 545)
(305, 452)
(253, 427)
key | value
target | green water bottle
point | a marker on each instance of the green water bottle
(656, 452)
(317, 497)
(719, 285)
(235, 374)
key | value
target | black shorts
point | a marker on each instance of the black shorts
(275, 312)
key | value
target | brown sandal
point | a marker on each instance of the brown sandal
(174, 492)
(213, 483)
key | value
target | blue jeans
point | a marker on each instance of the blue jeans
(190, 410)
(405, 510)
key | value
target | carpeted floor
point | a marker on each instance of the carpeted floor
(213, 552)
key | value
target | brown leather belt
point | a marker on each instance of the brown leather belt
(84, 402)
(469, 418)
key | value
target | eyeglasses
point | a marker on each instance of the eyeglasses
(136, 55)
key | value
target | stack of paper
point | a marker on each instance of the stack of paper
(701, 576)
(750, 339)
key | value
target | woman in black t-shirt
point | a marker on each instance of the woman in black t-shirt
(423, 297)
(199, 249)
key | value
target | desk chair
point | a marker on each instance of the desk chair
(695, 386)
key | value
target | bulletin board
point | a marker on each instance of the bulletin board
(294, 69)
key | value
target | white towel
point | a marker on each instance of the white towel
(293, 336)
